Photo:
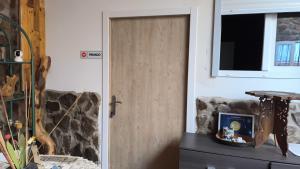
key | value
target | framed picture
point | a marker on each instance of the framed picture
(242, 125)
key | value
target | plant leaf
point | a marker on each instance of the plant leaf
(12, 154)
(22, 146)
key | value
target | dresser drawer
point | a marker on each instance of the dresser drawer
(200, 160)
(284, 166)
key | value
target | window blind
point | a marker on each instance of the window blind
(258, 6)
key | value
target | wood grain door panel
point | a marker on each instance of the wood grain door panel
(149, 58)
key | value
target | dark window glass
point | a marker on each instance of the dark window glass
(242, 42)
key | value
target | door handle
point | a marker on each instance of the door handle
(113, 105)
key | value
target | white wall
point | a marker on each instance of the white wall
(74, 25)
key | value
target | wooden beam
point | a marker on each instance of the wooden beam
(32, 19)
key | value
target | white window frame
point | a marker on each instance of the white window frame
(268, 70)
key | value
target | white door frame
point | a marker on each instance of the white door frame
(191, 99)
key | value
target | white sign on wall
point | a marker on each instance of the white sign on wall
(84, 54)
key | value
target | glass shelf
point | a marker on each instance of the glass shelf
(8, 59)
(13, 62)
(4, 45)
(15, 97)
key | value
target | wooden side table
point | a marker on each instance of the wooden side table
(280, 108)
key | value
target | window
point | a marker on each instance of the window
(256, 42)
(240, 50)
(288, 40)
(287, 53)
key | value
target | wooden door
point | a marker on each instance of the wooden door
(149, 61)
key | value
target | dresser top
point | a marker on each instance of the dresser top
(272, 94)
(207, 144)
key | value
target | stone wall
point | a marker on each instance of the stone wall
(209, 107)
(288, 29)
(77, 134)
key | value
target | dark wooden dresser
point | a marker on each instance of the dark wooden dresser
(203, 152)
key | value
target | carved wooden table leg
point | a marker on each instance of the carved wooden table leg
(265, 126)
(281, 109)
